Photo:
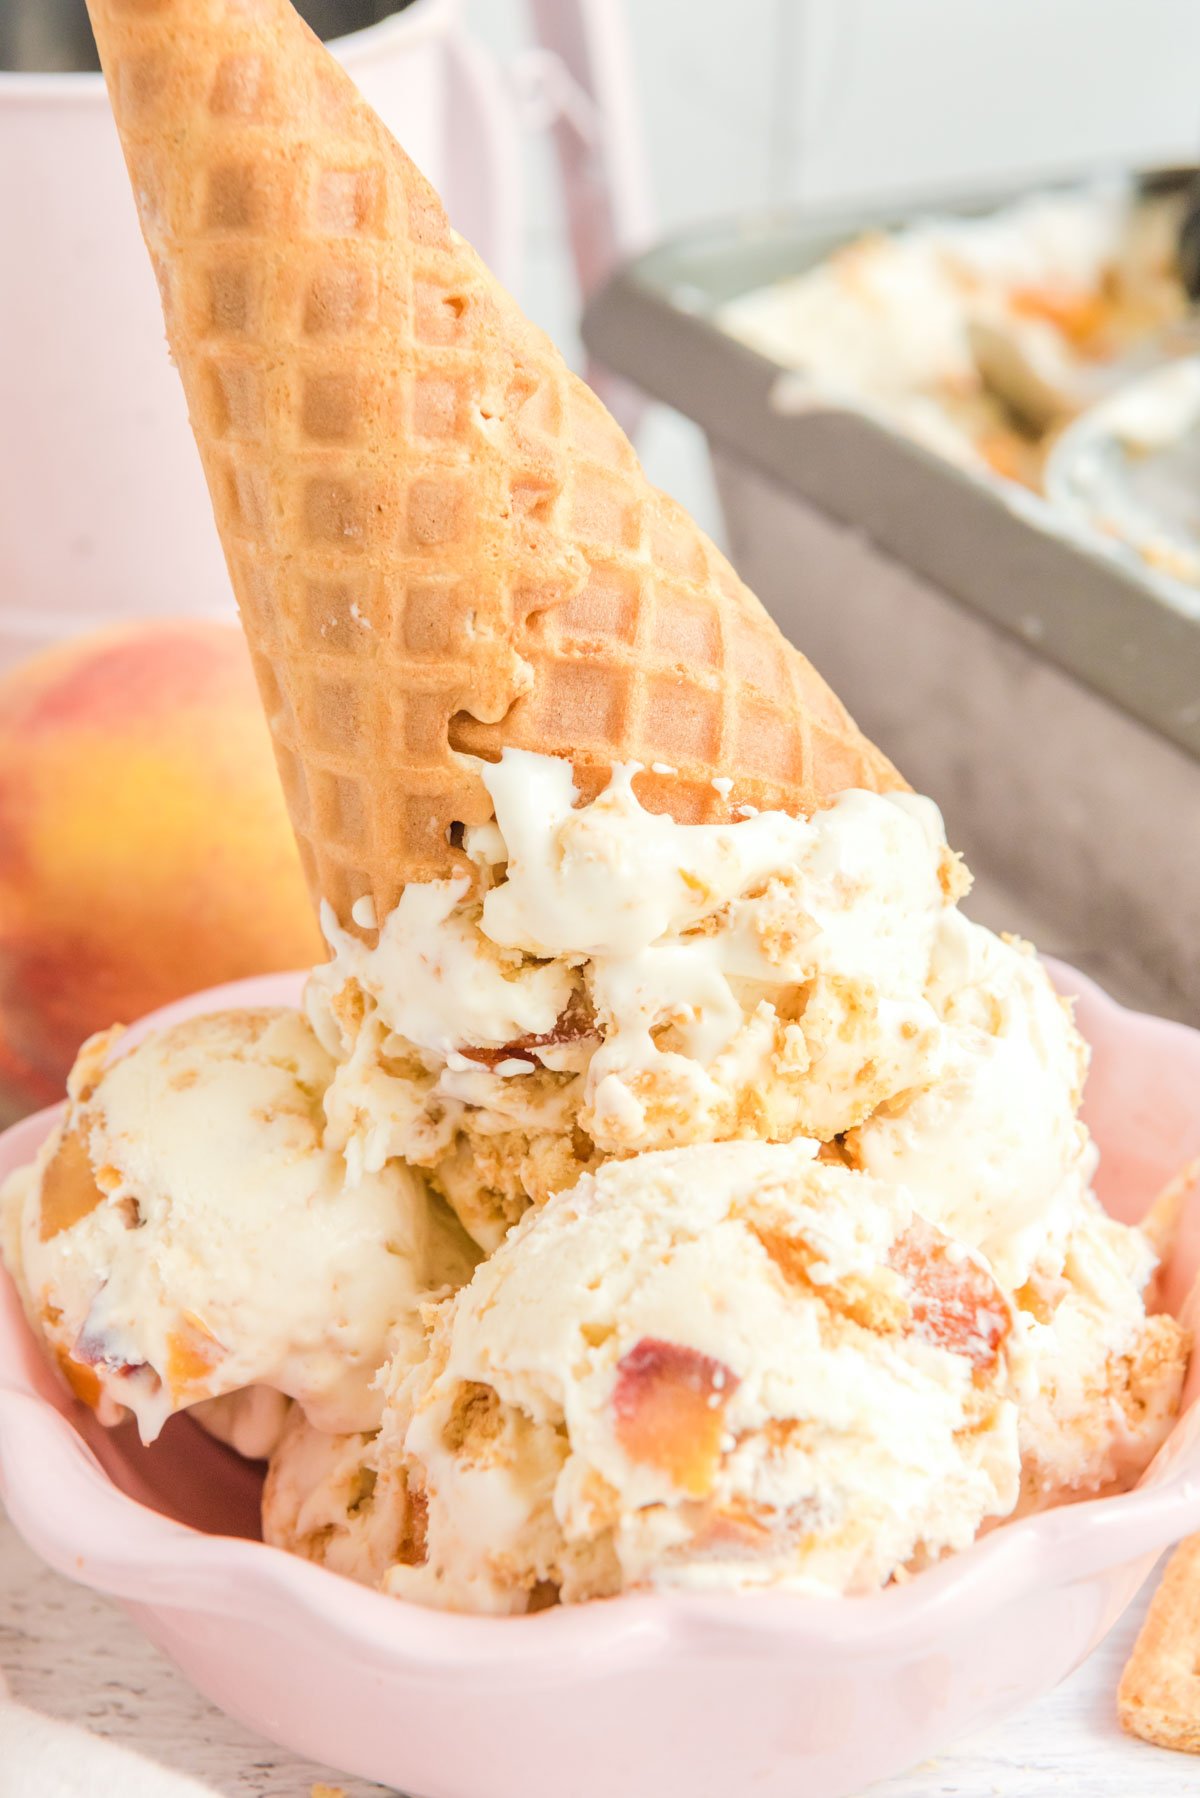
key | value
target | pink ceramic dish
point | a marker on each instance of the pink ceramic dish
(770, 1694)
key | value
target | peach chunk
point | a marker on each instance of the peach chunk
(95, 1347)
(670, 1407)
(955, 1302)
(192, 1354)
(69, 1189)
(577, 1024)
(1079, 316)
(82, 1379)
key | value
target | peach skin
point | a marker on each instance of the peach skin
(144, 846)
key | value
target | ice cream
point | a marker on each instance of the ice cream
(849, 1064)
(1125, 469)
(735, 1366)
(323, 1499)
(991, 1149)
(1104, 1379)
(806, 1283)
(251, 1420)
(977, 336)
(642, 957)
(184, 1234)
(717, 1365)
(616, 982)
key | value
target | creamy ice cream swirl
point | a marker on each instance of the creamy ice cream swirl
(614, 982)
(184, 1235)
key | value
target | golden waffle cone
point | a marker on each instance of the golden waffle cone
(439, 539)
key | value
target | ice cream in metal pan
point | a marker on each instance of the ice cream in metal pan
(982, 336)
(1129, 469)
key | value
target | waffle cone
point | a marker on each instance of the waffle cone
(439, 539)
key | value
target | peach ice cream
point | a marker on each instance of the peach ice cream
(323, 1500)
(793, 1274)
(727, 1365)
(734, 1366)
(184, 1234)
(808, 1282)
(1104, 1379)
(790, 1270)
(615, 982)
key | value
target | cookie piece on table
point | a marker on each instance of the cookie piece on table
(1159, 1695)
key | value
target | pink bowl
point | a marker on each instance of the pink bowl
(713, 1694)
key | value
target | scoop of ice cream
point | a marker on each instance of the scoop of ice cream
(250, 1422)
(510, 1505)
(323, 1499)
(732, 1365)
(184, 1233)
(991, 1149)
(1103, 1380)
(618, 982)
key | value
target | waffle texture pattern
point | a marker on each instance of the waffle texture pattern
(439, 539)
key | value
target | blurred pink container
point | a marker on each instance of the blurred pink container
(103, 508)
(710, 1695)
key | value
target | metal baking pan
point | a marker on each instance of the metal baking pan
(1044, 689)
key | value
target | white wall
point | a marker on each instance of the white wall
(898, 96)
(749, 104)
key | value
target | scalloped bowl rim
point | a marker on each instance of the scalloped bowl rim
(50, 1481)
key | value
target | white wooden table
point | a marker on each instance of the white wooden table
(74, 1655)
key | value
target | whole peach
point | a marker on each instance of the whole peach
(144, 847)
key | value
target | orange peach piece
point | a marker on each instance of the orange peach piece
(955, 1302)
(69, 1189)
(1079, 316)
(83, 1381)
(192, 1353)
(144, 847)
(670, 1408)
